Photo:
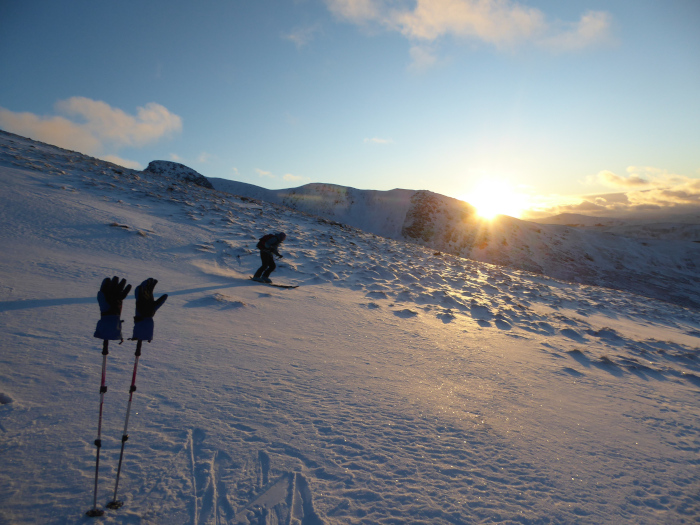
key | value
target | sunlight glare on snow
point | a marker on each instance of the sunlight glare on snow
(492, 197)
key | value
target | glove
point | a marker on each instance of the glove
(110, 298)
(146, 308)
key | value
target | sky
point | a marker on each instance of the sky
(584, 105)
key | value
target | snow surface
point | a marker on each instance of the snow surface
(395, 385)
(678, 228)
(626, 257)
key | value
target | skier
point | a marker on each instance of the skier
(268, 245)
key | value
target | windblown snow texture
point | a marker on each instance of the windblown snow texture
(394, 385)
(592, 256)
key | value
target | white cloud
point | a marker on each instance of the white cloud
(422, 58)
(204, 157)
(493, 21)
(377, 140)
(503, 23)
(53, 130)
(302, 36)
(265, 174)
(642, 189)
(357, 11)
(92, 126)
(592, 29)
(610, 179)
(131, 164)
(151, 123)
(295, 178)
(175, 157)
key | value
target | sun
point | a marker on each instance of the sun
(494, 197)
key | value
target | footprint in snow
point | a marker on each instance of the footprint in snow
(502, 325)
(572, 372)
(446, 317)
(573, 334)
(480, 313)
(405, 313)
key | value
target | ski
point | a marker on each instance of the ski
(277, 285)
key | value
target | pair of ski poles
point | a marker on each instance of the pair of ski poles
(109, 328)
(115, 503)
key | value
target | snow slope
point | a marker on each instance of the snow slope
(379, 212)
(653, 260)
(395, 385)
(678, 228)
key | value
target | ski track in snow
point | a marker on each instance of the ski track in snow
(395, 385)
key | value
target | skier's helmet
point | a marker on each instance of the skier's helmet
(281, 236)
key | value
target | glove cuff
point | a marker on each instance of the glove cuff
(109, 327)
(143, 328)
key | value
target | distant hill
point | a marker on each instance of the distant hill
(379, 212)
(654, 260)
(684, 227)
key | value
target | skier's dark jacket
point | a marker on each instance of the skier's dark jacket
(272, 243)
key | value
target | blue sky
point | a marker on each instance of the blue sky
(554, 100)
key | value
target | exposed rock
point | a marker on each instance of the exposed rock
(178, 171)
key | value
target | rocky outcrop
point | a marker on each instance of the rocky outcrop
(178, 171)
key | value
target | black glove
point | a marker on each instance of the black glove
(110, 298)
(146, 308)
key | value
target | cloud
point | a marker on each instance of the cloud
(302, 36)
(422, 58)
(176, 158)
(357, 11)
(609, 179)
(92, 126)
(287, 177)
(377, 140)
(648, 185)
(295, 178)
(53, 130)
(131, 164)
(204, 157)
(502, 23)
(494, 21)
(644, 189)
(594, 28)
(109, 124)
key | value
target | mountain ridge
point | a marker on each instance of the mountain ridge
(583, 255)
(665, 269)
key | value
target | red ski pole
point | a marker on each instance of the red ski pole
(115, 503)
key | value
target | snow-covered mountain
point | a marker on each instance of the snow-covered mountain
(670, 228)
(379, 212)
(394, 385)
(662, 266)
